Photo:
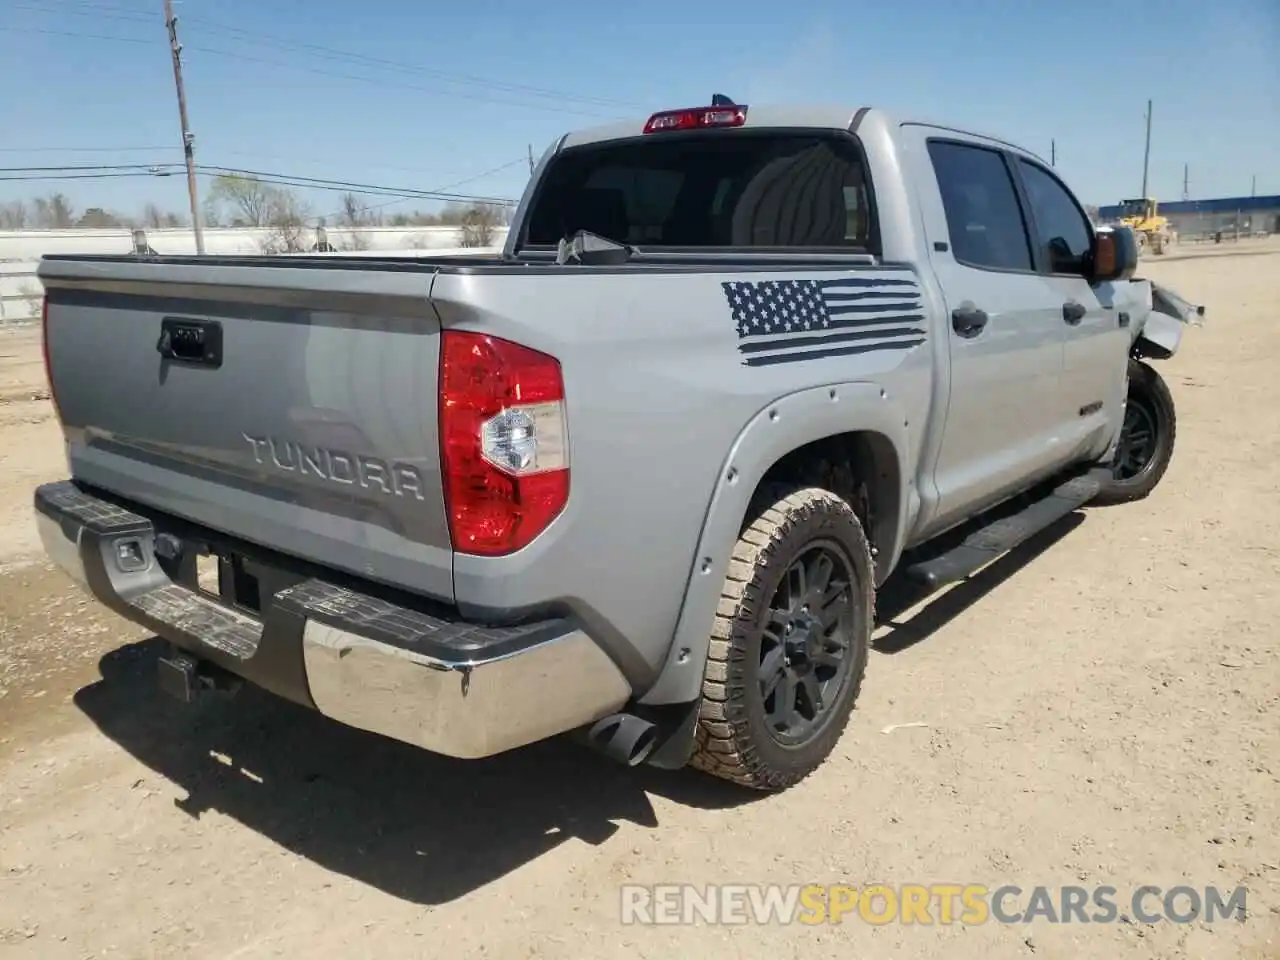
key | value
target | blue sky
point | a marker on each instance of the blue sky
(460, 89)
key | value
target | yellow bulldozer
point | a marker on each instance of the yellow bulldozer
(1142, 216)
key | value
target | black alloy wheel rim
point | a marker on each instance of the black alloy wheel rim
(1139, 439)
(805, 649)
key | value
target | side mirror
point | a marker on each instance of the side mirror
(1114, 255)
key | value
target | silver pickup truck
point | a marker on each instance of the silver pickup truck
(637, 478)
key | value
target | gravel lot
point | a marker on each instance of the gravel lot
(1102, 707)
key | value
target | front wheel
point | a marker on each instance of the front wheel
(1146, 438)
(790, 641)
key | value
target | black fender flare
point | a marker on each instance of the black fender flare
(783, 426)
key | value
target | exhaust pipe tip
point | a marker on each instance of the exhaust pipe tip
(623, 737)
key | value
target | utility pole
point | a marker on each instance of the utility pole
(1146, 156)
(531, 158)
(1186, 181)
(1253, 185)
(1053, 153)
(188, 141)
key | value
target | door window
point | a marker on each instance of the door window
(984, 218)
(1062, 230)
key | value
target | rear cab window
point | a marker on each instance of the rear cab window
(711, 190)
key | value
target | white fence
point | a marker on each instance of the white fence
(19, 291)
(21, 250)
(33, 244)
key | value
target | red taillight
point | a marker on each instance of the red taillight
(504, 442)
(44, 349)
(696, 118)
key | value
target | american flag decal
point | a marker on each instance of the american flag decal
(782, 321)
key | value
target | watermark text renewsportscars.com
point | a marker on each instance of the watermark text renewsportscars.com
(925, 904)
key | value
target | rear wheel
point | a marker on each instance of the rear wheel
(1146, 438)
(790, 640)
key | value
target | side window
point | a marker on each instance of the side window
(984, 218)
(1061, 228)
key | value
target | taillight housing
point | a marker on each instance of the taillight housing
(504, 442)
(44, 349)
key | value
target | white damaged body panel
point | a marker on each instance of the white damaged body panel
(1164, 314)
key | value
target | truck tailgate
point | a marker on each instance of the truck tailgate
(290, 404)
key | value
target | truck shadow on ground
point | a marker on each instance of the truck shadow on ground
(421, 827)
(425, 828)
(899, 594)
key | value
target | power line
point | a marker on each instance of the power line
(120, 13)
(334, 53)
(111, 12)
(235, 153)
(81, 36)
(449, 186)
(380, 81)
(275, 179)
(480, 176)
(75, 176)
(400, 194)
(111, 170)
(383, 82)
(81, 149)
(295, 160)
(74, 167)
(346, 185)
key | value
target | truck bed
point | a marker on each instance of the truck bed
(317, 434)
(533, 259)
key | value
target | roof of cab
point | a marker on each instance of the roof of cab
(837, 118)
(785, 115)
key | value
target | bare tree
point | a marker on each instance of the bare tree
(61, 210)
(355, 217)
(153, 218)
(53, 212)
(13, 215)
(452, 212)
(246, 201)
(286, 216)
(479, 223)
(354, 211)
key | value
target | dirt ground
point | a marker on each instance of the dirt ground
(1102, 707)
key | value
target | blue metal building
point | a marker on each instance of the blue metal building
(1251, 215)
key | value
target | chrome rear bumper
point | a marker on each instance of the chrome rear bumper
(414, 674)
(461, 709)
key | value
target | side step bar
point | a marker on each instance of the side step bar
(1002, 535)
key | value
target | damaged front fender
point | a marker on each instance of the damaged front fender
(1164, 316)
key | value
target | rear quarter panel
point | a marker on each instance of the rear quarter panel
(665, 419)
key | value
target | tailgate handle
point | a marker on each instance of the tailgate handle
(191, 341)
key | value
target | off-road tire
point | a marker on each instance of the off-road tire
(1148, 387)
(733, 740)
